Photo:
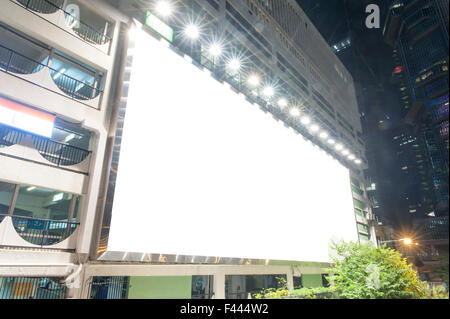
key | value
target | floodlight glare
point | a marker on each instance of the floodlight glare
(331, 141)
(192, 31)
(234, 64)
(339, 147)
(358, 161)
(282, 103)
(345, 152)
(314, 128)
(253, 80)
(305, 120)
(268, 91)
(164, 8)
(351, 157)
(215, 50)
(323, 135)
(407, 241)
(294, 112)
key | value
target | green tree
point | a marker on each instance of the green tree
(364, 271)
(442, 269)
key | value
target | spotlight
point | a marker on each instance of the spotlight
(192, 31)
(234, 64)
(357, 161)
(314, 128)
(345, 152)
(339, 147)
(351, 157)
(164, 8)
(294, 112)
(268, 91)
(215, 50)
(331, 141)
(253, 80)
(323, 135)
(305, 120)
(282, 103)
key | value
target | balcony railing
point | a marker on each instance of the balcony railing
(57, 153)
(42, 232)
(9, 137)
(31, 288)
(42, 6)
(84, 30)
(14, 62)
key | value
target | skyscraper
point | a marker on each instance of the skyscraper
(418, 33)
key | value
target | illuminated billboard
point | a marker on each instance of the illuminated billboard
(25, 118)
(203, 172)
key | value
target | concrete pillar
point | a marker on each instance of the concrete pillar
(219, 286)
(290, 280)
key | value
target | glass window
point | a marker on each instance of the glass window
(202, 287)
(240, 286)
(42, 203)
(6, 192)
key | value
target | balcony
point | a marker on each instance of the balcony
(92, 28)
(38, 232)
(33, 217)
(84, 89)
(30, 147)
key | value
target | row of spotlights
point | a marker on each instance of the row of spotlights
(193, 32)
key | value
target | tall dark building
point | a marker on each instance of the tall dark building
(418, 34)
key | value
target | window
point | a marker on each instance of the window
(6, 193)
(43, 203)
(325, 282)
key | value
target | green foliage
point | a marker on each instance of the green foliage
(442, 269)
(273, 293)
(363, 271)
(437, 292)
(313, 293)
(302, 293)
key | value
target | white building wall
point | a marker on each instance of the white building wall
(43, 94)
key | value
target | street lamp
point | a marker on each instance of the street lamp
(407, 241)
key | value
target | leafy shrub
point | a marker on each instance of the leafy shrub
(302, 293)
(437, 292)
(363, 271)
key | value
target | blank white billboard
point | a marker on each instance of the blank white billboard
(204, 172)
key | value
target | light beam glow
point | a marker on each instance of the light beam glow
(192, 31)
(164, 8)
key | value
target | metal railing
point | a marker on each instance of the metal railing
(55, 152)
(12, 61)
(42, 232)
(9, 136)
(42, 6)
(31, 288)
(84, 30)
(73, 87)
(109, 288)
